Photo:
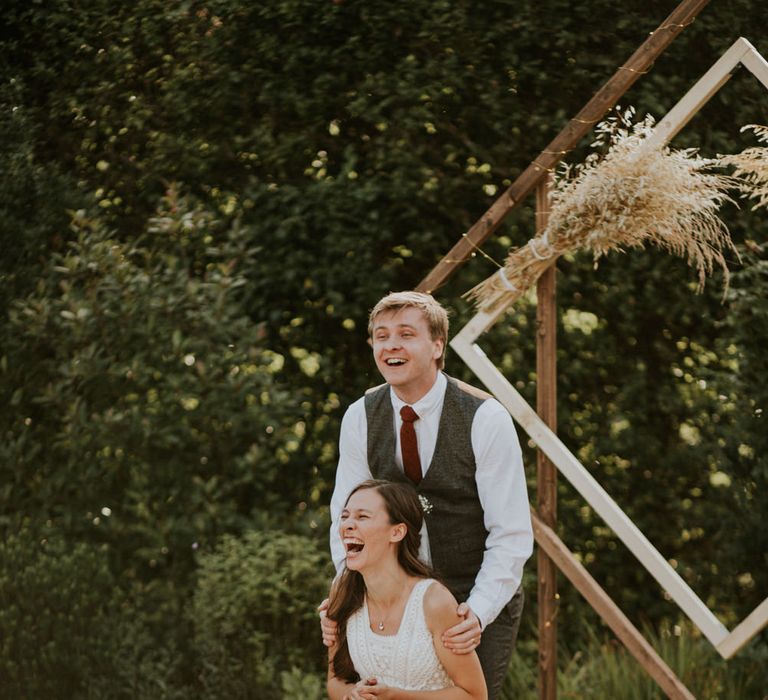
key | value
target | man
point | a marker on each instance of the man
(460, 449)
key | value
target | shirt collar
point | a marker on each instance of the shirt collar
(427, 403)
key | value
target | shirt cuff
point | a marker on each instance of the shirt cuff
(482, 608)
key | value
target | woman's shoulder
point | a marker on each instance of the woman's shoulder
(440, 606)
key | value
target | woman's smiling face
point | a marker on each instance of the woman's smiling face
(366, 530)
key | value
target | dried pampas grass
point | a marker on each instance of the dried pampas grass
(632, 194)
(751, 168)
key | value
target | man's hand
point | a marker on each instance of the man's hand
(464, 637)
(328, 626)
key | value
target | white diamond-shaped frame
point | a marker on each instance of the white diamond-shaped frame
(726, 642)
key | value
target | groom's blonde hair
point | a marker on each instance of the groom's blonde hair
(434, 314)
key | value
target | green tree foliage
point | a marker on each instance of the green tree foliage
(34, 197)
(145, 408)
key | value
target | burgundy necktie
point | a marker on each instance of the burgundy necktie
(408, 445)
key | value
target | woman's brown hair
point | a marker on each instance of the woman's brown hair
(348, 591)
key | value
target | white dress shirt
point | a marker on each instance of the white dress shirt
(500, 485)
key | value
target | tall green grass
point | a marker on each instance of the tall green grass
(604, 670)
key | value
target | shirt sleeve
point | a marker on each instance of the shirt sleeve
(352, 470)
(503, 493)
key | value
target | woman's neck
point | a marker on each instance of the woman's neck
(385, 585)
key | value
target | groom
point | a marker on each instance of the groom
(458, 446)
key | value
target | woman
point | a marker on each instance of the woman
(390, 613)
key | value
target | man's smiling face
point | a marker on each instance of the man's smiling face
(405, 352)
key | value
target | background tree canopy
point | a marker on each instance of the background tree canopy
(200, 203)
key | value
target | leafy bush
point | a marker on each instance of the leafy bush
(57, 611)
(298, 685)
(149, 644)
(69, 630)
(255, 618)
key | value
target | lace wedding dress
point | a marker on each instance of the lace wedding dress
(404, 660)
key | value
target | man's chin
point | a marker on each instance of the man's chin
(394, 376)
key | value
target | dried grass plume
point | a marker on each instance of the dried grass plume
(751, 168)
(626, 194)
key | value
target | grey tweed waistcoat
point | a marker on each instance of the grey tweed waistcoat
(457, 533)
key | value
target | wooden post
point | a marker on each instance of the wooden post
(605, 98)
(546, 473)
(601, 602)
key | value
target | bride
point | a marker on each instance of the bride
(390, 613)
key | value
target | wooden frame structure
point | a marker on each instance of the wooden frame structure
(727, 644)
(552, 452)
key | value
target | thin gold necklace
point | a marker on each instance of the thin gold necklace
(380, 625)
(383, 618)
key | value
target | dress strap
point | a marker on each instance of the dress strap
(413, 615)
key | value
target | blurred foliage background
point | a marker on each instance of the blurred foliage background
(200, 203)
